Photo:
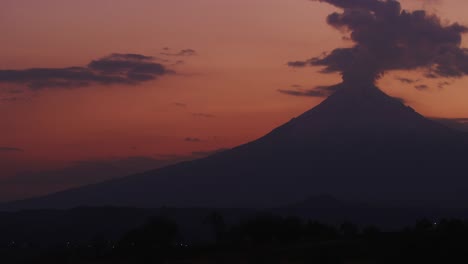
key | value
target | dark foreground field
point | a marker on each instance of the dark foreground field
(124, 235)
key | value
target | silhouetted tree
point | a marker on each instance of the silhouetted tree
(424, 226)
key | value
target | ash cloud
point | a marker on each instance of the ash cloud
(387, 38)
(126, 69)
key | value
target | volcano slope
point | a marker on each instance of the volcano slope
(358, 145)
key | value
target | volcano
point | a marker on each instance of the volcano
(358, 145)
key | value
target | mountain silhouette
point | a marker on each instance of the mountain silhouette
(358, 145)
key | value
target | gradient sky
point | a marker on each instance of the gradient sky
(224, 95)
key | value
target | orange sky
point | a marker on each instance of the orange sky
(242, 50)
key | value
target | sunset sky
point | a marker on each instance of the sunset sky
(224, 62)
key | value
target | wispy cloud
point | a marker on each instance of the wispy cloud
(10, 149)
(442, 85)
(184, 52)
(318, 91)
(178, 104)
(406, 80)
(421, 87)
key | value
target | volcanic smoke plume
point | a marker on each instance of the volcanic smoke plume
(389, 38)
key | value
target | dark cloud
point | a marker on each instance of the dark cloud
(421, 87)
(442, 85)
(406, 80)
(10, 149)
(127, 69)
(319, 91)
(192, 139)
(298, 63)
(184, 52)
(205, 115)
(388, 38)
